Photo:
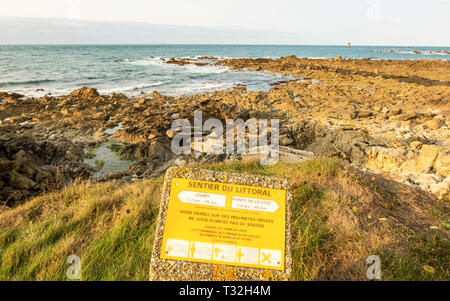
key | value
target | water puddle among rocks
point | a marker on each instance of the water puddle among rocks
(106, 160)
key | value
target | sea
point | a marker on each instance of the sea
(37, 70)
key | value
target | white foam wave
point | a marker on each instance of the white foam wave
(148, 61)
(205, 69)
(195, 88)
(132, 88)
(161, 61)
(417, 52)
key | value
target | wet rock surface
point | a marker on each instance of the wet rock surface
(391, 117)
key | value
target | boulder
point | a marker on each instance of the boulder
(19, 181)
(43, 176)
(442, 164)
(170, 134)
(393, 111)
(179, 162)
(365, 114)
(424, 181)
(26, 164)
(427, 157)
(385, 159)
(435, 124)
(405, 117)
(21, 157)
(440, 189)
(85, 92)
(285, 140)
(415, 145)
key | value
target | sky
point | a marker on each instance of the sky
(363, 22)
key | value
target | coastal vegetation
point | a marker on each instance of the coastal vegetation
(340, 217)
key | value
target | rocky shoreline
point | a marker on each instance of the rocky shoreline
(391, 117)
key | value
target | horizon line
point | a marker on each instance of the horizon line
(212, 44)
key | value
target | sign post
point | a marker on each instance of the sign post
(222, 226)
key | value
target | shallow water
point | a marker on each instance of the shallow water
(112, 160)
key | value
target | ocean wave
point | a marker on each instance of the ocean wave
(28, 82)
(148, 61)
(192, 68)
(195, 88)
(205, 69)
(416, 52)
(441, 52)
(132, 88)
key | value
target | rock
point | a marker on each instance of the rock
(440, 189)
(424, 181)
(345, 114)
(427, 157)
(285, 154)
(42, 176)
(394, 111)
(405, 116)
(113, 175)
(116, 147)
(21, 157)
(385, 159)
(85, 92)
(307, 104)
(385, 110)
(170, 134)
(434, 124)
(52, 170)
(24, 164)
(19, 181)
(286, 140)
(100, 116)
(442, 164)
(416, 145)
(28, 169)
(100, 136)
(179, 162)
(365, 114)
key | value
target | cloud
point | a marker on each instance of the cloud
(388, 20)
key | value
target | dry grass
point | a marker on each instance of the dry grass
(340, 217)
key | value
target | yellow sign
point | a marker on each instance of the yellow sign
(225, 224)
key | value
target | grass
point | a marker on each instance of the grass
(340, 217)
